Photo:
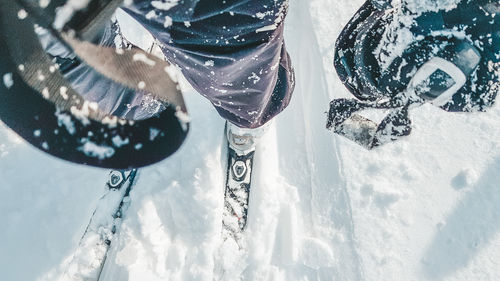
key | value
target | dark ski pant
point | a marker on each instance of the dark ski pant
(231, 51)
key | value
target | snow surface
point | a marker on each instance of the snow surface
(321, 207)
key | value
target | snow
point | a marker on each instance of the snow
(22, 14)
(143, 58)
(64, 119)
(321, 207)
(65, 12)
(8, 80)
(44, 3)
(167, 5)
(119, 142)
(168, 22)
(100, 152)
(83, 113)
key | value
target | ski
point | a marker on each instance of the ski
(237, 191)
(89, 258)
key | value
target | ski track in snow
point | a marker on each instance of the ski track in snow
(321, 208)
(299, 219)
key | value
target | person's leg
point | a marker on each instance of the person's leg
(231, 51)
(112, 98)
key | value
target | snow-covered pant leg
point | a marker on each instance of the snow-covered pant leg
(113, 98)
(231, 51)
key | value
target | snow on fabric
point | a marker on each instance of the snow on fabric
(421, 6)
(8, 80)
(398, 35)
(65, 12)
(321, 207)
(100, 152)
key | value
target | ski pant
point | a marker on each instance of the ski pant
(231, 51)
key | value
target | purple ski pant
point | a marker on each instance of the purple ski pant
(231, 51)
